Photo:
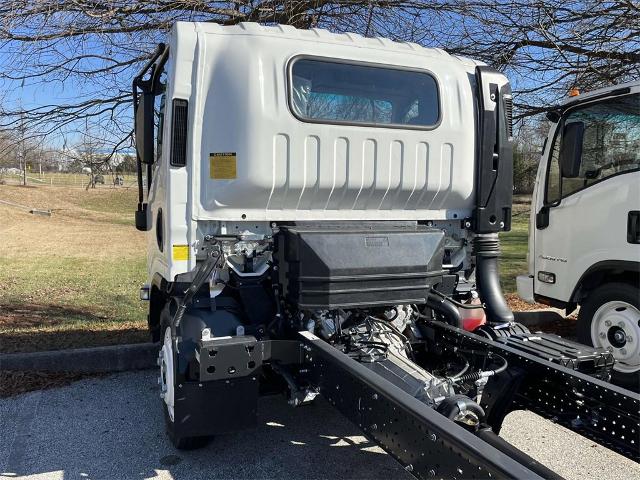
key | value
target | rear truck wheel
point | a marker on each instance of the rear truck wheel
(610, 318)
(167, 382)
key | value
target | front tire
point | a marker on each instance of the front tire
(168, 387)
(610, 318)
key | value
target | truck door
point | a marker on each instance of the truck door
(590, 187)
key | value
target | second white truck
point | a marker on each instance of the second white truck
(584, 234)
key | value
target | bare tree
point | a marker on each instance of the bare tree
(545, 46)
(89, 156)
(20, 149)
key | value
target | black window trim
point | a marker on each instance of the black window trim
(558, 133)
(347, 61)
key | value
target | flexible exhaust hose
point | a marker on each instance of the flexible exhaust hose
(487, 250)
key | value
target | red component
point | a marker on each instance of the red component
(472, 318)
(472, 321)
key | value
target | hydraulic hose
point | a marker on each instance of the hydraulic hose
(202, 274)
(487, 250)
(473, 376)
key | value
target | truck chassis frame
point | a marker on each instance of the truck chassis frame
(424, 441)
(429, 445)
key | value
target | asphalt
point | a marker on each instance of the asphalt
(111, 428)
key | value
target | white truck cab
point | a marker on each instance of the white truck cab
(584, 234)
(323, 214)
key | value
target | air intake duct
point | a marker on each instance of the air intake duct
(486, 249)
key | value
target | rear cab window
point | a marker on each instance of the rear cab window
(328, 91)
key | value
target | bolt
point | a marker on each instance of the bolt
(375, 396)
(493, 97)
(432, 473)
(409, 468)
(501, 224)
(603, 335)
(374, 427)
(623, 351)
(467, 224)
(621, 324)
(607, 323)
(629, 338)
(433, 437)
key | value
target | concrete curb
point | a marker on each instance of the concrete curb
(115, 358)
(140, 356)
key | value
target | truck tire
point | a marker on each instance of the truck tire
(610, 318)
(167, 387)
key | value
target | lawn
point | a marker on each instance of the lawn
(72, 279)
(513, 261)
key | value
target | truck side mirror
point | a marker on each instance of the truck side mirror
(571, 149)
(144, 127)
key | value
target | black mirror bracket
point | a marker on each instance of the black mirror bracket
(144, 92)
(542, 217)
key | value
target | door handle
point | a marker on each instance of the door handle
(633, 226)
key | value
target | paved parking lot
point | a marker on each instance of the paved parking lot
(111, 428)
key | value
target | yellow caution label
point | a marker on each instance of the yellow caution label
(222, 166)
(180, 252)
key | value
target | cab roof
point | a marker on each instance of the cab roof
(325, 36)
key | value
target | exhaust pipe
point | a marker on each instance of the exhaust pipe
(486, 249)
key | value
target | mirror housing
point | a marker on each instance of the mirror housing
(571, 149)
(144, 127)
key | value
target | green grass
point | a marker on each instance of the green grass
(513, 261)
(105, 288)
(114, 201)
(72, 279)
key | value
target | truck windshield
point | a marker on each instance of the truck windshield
(611, 145)
(331, 92)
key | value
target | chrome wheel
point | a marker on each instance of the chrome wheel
(166, 379)
(616, 327)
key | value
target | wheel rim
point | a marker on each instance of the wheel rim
(615, 326)
(166, 380)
